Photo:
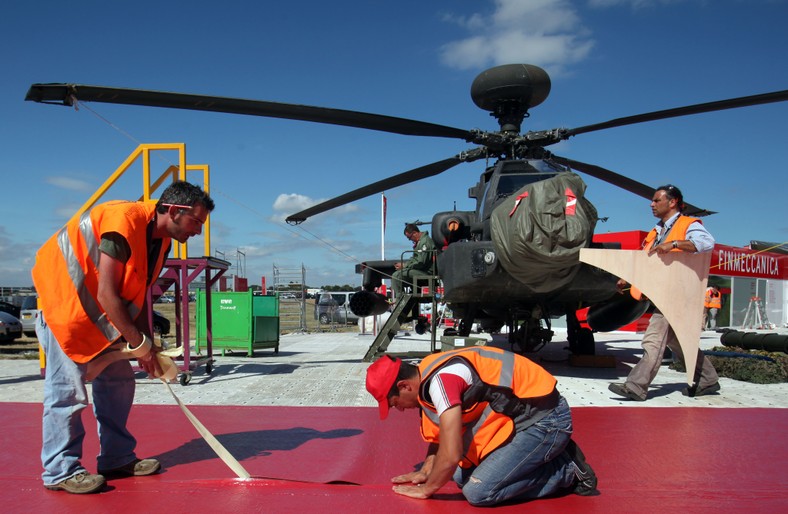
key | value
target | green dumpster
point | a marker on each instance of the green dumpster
(239, 321)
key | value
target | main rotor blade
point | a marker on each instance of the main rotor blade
(626, 183)
(388, 183)
(66, 93)
(733, 103)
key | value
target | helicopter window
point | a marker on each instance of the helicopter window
(544, 166)
(508, 183)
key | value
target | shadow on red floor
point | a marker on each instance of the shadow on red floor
(340, 459)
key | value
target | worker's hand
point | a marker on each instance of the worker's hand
(150, 363)
(397, 265)
(414, 491)
(661, 248)
(621, 286)
(413, 478)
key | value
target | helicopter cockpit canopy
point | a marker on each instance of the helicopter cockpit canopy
(508, 178)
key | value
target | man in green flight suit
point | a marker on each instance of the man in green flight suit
(419, 265)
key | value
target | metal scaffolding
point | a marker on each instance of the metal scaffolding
(290, 288)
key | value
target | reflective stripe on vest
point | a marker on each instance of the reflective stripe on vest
(77, 276)
(66, 276)
(488, 417)
(505, 378)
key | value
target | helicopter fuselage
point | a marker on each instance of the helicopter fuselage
(475, 283)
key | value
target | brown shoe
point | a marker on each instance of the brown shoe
(135, 468)
(703, 391)
(623, 390)
(81, 483)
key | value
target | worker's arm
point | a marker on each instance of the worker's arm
(448, 455)
(109, 286)
(685, 245)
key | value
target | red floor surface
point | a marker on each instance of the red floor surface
(340, 459)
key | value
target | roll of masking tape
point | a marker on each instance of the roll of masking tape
(143, 348)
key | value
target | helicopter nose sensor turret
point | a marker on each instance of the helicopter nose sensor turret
(508, 92)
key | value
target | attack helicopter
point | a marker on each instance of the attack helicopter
(511, 261)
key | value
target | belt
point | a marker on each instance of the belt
(536, 409)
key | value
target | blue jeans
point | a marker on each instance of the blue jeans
(533, 464)
(65, 395)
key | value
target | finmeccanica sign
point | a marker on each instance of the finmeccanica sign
(726, 260)
(743, 262)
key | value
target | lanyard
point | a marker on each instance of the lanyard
(665, 230)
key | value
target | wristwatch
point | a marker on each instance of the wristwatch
(675, 244)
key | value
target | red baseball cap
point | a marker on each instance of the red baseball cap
(381, 376)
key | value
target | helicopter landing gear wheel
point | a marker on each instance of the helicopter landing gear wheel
(209, 367)
(185, 378)
(531, 335)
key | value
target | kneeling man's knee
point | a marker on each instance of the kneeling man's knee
(477, 493)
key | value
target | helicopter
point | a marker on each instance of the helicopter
(511, 261)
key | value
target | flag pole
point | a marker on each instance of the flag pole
(376, 319)
(383, 226)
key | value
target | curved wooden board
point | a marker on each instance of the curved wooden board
(675, 282)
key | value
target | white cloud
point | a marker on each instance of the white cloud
(292, 203)
(287, 204)
(71, 184)
(547, 33)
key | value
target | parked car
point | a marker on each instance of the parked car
(161, 325)
(29, 314)
(334, 307)
(10, 308)
(10, 327)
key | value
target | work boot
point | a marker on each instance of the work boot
(81, 483)
(702, 391)
(135, 468)
(585, 478)
(622, 390)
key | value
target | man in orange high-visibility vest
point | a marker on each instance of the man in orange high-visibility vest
(675, 232)
(495, 423)
(712, 304)
(92, 278)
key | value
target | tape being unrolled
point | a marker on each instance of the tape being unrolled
(214, 443)
(168, 367)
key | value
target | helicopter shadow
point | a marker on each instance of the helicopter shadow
(250, 444)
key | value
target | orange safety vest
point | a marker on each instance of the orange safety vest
(66, 276)
(678, 232)
(509, 379)
(713, 299)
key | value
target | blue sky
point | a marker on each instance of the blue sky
(412, 59)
